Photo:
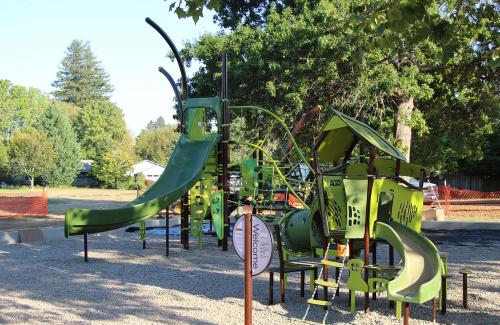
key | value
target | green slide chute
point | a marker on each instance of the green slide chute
(420, 279)
(184, 169)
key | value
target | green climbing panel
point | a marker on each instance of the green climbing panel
(217, 211)
(200, 202)
(248, 177)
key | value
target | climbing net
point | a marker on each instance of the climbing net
(257, 132)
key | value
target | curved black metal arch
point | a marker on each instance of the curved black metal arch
(180, 111)
(174, 87)
(176, 54)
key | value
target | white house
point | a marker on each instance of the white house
(151, 170)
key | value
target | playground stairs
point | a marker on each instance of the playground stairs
(322, 282)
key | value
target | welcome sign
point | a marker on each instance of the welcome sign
(262, 243)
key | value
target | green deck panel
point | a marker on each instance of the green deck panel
(420, 279)
(342, 131)
(356, 194)
(184, 169)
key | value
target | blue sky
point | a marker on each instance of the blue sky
(35, 33)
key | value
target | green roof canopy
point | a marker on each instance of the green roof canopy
(342, 131)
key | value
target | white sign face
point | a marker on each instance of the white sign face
(262, 243)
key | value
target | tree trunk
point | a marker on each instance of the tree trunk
(402, 132)
(32, 181)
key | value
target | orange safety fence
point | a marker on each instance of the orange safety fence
(451, 193)
(454, 196)
(22, 206)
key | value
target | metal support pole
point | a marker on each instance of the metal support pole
(85, 249)
(391, 263)
(444, 294)
(185, 221)
(248, 269)
(167, 230)
(225, 151)
(337, 275)
(464, 273)
(464, 291)
(260, 162)
(325, 271)
(407, 314)
(371, 169)
(351, 250)
(434, 310)
(144, 244)
(374, 261)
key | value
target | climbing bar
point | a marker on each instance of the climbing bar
(332, 263)
(326, 283)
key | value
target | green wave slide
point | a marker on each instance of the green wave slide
(184, 169)
(420, 279)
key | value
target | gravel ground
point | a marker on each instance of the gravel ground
(48, 282)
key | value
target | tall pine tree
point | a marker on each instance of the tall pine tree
(81, 78)
(55, 123)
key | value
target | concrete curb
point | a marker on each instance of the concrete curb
(57, 233)
(459, 225)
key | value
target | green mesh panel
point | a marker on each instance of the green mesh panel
(335, 202)
(356, 193)
(407, 204)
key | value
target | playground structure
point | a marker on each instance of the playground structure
(343, 207)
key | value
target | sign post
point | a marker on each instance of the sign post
(248, 269)
(252, 241)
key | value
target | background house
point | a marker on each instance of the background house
(151, 170)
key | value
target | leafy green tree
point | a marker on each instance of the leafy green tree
(401, 64)
(100, 128)
(157, 144)
(111, 168)
(153, 125)
(4, 161)
(81, 79)
(19, 107)
(31, 154)
(56, 125)
(69, 109)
